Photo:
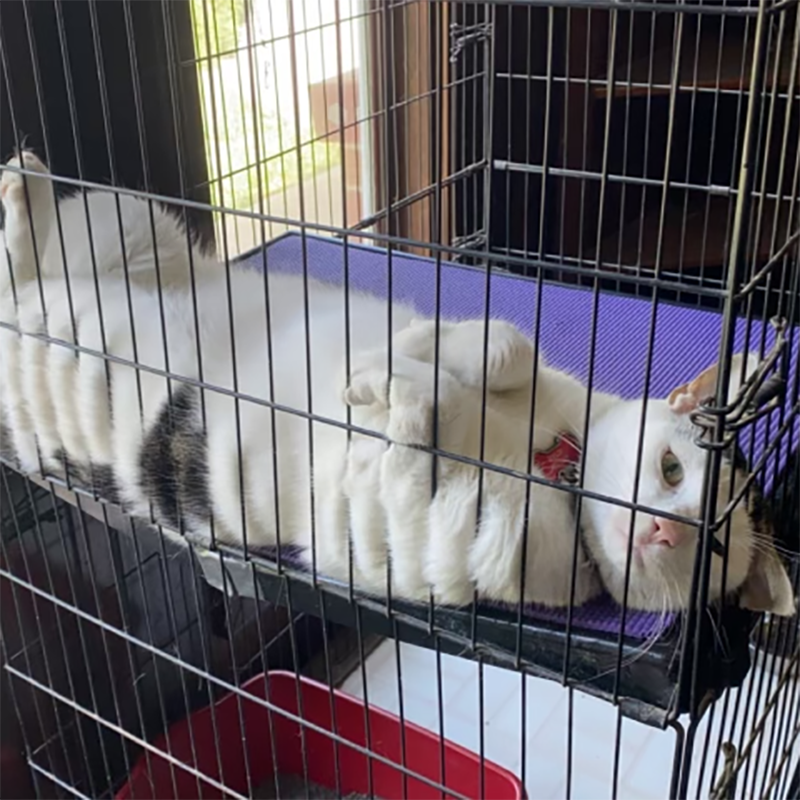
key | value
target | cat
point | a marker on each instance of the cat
(238, 470)
(672, 466)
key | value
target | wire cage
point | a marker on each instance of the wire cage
(618, 180)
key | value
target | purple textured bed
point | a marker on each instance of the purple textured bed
(685, 342)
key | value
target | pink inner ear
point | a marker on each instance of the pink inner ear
(682, 403)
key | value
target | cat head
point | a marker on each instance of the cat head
(671, 480)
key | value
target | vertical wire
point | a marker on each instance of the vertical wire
(115, 558)
(298, 692)
(71, 579)
(770, 660)
(565, 136)
(146, 600)
(792, 731)
(142, 138)
(546, 143)
(26, 745)
(231, 325)
(265, 678)
(701, 571)
(92, 572)
(790, 642)
(440, 711)
(400, 705)
(693, 95)
(570, 740)
(784, 290)
(339, 81)
(281, 149)
(715, 113)
(15, 130)
(73, 120)
(97, 42)
(585, 115)
(438, 237)
(142, 141)
(508, 11)
(37, 80)
(481, 731)
(674, 88)
(26, 645)
(248, 164)
(632, 17)
(346, 280)
(306, 300)
(62, 638)
(528, 159)
(487, 107)
(367, 723)
(594, 321)
(387, 173)
(235, 672)
(267, 298)
(617, 754)
(200, 614)
(214, 56)
(643, 215)
(178, 134)
(73, 114)
(677, 758)
(489, 69)
(304, 37)
(331, 693)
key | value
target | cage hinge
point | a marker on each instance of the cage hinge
(725, 787)
(472, 241)
(462, 35)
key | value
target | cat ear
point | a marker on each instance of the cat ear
(767, 586)
(688, 397)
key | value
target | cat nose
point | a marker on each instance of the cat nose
(666, 531)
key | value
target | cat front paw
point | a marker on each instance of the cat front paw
(509, 353)
(369, 380)
(410, 396)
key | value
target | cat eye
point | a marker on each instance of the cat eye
(671, 468)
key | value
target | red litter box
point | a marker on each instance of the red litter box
(155, 776)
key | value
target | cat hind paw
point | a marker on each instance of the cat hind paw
(12, 184)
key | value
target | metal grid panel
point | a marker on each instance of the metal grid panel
(564, 142)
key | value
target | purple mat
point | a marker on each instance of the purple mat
(686, 341)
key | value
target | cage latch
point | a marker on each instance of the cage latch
(759, 396)
(462, 35)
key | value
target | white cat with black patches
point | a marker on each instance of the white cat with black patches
(201, 457)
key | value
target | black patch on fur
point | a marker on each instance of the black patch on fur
(174, 461)
(104, 484)
(99, 480)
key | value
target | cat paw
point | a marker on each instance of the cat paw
(369, 381)
(12, 184)
(509, 353)
(411, 382)
(409, 396)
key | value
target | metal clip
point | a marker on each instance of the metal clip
(759, 396)
(473, 241)
(462, 35)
